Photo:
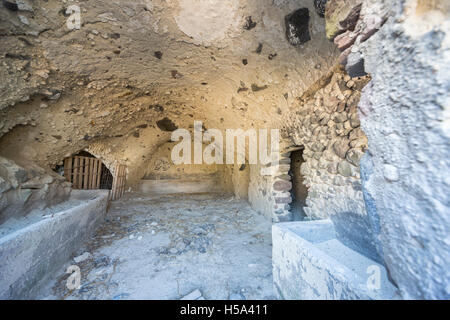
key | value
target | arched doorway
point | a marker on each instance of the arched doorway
(86, 172)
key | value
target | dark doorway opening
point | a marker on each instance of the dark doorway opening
(85, 171)
(299, 191)
(106, 178)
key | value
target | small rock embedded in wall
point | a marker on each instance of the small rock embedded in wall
(249, 23)
(157, 107)
(166, 125)
(259, 49)
(242, 88)
(256, 88)
(320, 7)
(158, 54)
(176, 74)
(297, 27)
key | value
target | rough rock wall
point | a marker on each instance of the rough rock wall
(405, 114)
(104, 86)
(25, 187)
(260, 193)
(161, 166)
(234, 180)
(241, 181)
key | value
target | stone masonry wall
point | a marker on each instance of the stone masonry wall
(326, 124)
(328, 127)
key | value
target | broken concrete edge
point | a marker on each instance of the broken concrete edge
(297, 27)
(194, 295)
(31, 256)
(310, 263)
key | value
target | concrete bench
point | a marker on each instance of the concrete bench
(309, 263)
(32, 255)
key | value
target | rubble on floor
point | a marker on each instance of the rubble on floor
(210, 246)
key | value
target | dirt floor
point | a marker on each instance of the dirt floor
(167, 247)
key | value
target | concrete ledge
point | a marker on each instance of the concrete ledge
(31, 256)
(179, 186)
(309, 263)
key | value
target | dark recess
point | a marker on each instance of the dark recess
(297, 27)
(10, 5)
(249, 23)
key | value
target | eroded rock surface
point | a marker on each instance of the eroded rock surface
(27, 187)
(94, 87)
(117, 78)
